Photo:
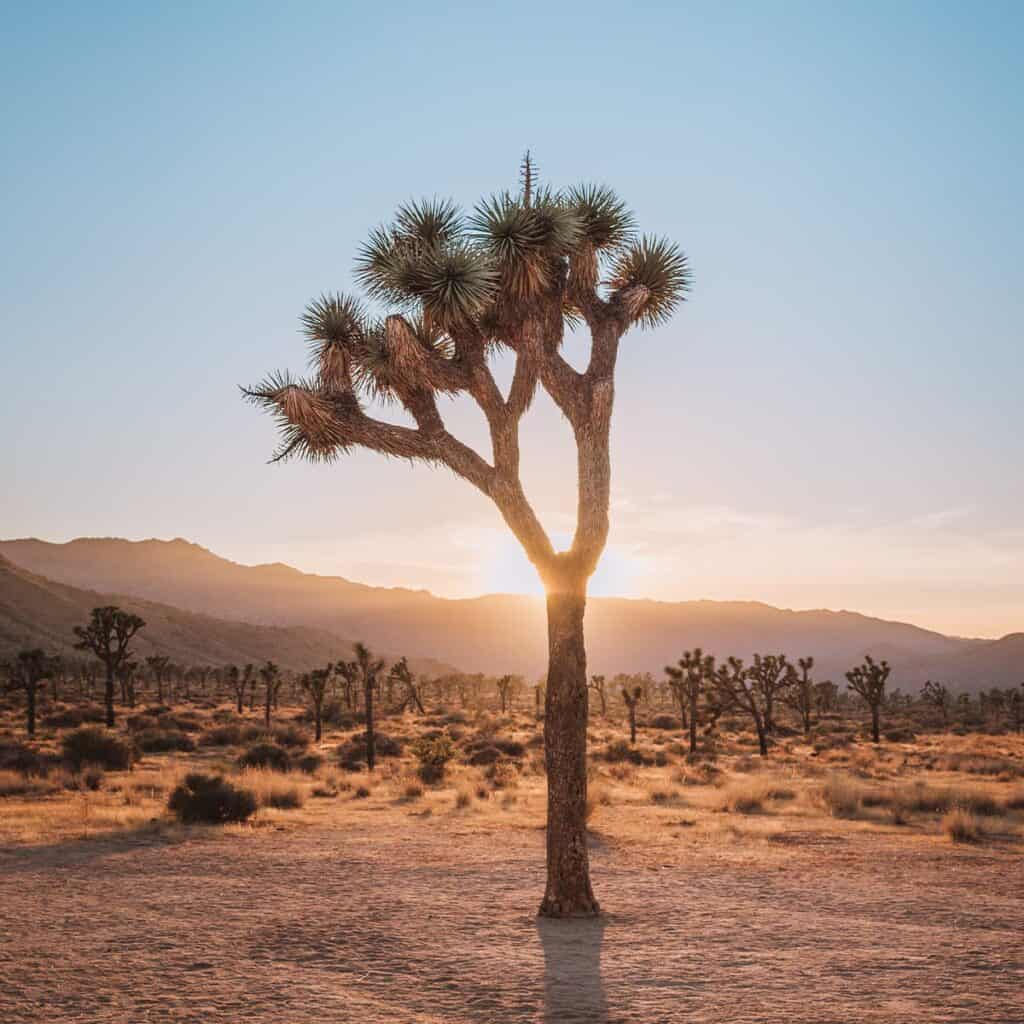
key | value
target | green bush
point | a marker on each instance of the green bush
(433, 755)
(227, 735)
(290, 735)
(267, 755)
(210, 799)
(352, 755)
(309, 763)
(93, 745)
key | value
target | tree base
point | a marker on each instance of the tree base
(576, 908)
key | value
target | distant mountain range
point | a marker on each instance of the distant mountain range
(37, 612)
(201, 594)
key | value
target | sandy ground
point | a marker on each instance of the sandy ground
(397, 918)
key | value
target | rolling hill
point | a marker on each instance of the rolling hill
(504, 632)
(37, 612)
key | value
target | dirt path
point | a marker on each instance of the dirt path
(404, 920)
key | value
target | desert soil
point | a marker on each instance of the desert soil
(397, 919)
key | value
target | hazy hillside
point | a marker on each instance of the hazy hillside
(502, 633)
(36, 612)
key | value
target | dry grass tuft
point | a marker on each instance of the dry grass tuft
(963, 827)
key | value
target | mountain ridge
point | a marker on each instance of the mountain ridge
(497, 633)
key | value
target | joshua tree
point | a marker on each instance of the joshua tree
(107, 635)
(237, 684)
(126, 674)
(507, 686)
(508, 277)
(27, 672)
(771, 675)
(401, 673)
(632, 699)
(349, 672)
(938, 696)
(692, 684)
(599, 686)
(739, 685)
(826, 696)
(802, 693)
(316, 684)
(158, 665)
(272, 683)
(867, 680)
(369, 669)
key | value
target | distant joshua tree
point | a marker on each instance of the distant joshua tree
(692, 684)
(401, 673)
(316, 684)
(232, 675)
(510, 277)
(107, 635)
(632, 699)
(802, 693)
(507, 687)
(369, 669)
(159, 665)
(599, 685)
(739, 686)
(27, 672)
(938, 696)
(771, 675)
(272, 683)
(868, 680)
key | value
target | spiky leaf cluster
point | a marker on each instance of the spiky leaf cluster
(659, 266)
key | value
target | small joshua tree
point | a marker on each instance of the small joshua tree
(632, 699)
(236, 682)
(401, 673)
(316, 684)
(771, 675)
(868, 680)
(802, 693)
(107, 635)
(599, 685)
(692, 685)
(159, 665)
(507, 686)
(27, 672)
(369, 669)
(510, 277)
(272, 683)
(739, 685)
(938, 697)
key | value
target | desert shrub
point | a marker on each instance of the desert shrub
(661, 796)
(227, 735)
(501, 774)
(361, 793)
(668, 722)
(841, 797)
(210, 799)
(484, 756)
(136, 723)
(963, 827)
(900, 735)
(90, 744)
(282, 797)
(412, 791)
(981, 764)
(23, 759)
(72, 717)
(266, 755)
(433, 756)
(454, 718)
(352, 754)
(749, 796)
(91, 777)
(160, 741)
(309, 763)
(463, 798)
(619, 750)
(290, 735)
(183, 721)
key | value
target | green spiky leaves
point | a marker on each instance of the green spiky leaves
(525, 239)
(652, 276)
(607, 223)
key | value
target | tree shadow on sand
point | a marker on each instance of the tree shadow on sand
(573, 991)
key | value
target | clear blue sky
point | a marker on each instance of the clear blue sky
(835, 419)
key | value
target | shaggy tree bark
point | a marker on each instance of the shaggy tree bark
(508, 278)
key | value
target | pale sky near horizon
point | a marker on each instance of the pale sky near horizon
(833, 420)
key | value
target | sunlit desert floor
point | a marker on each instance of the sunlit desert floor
(388, 908)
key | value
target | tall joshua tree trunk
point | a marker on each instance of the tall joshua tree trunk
(568, 891)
